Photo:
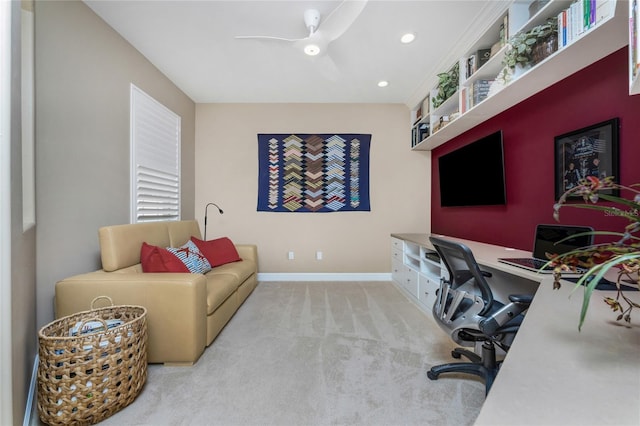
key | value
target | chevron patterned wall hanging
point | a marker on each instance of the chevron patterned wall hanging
(313, 172)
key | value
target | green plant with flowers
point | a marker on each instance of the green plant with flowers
(622, 255)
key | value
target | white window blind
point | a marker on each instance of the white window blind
(155, 160)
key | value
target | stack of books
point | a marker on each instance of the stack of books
(581, 16)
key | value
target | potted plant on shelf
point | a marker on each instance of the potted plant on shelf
(528, 48)
(622, 255)
(448, 83)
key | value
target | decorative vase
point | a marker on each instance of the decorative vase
(544, 48)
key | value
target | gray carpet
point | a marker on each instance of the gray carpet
(310, 353)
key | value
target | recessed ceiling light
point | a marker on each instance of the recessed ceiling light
(383, 83)
(407, 38)
(312, 49)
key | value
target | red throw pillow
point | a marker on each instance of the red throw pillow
(218, 251)
(157, 259)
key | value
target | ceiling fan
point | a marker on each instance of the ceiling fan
(321, 34)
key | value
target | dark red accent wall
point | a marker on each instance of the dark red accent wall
(594, 94)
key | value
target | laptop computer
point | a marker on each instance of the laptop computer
(545, 240)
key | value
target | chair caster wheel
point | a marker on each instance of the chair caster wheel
(431, 375)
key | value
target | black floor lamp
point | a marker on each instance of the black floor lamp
(205, 217)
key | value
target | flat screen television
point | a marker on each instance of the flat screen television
(473, 175)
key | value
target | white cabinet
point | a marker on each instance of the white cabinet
(608, 33)
(427, 288)
(410, 282)
(415, 269)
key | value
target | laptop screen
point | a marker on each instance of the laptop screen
(548, 235)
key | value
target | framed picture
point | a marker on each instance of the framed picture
(590, 151)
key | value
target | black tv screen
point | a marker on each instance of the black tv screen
(473, 175)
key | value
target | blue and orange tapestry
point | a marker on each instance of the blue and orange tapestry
(313, 172)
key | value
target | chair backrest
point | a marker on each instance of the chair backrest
(464, 297)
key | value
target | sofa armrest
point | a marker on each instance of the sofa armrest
(175, 302)
(248, 252)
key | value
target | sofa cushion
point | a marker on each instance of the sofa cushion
(240, 270)
(219, 288)
(180, 231)
(219, 251)
(120, 244)
(157, 259)
(192, 258)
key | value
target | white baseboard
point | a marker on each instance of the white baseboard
(323, 276)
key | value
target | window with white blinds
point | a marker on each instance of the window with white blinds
(155, 160)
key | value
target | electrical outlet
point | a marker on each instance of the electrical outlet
(318, 255)
(291, 255)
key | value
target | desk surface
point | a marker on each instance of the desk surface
(553, 373)
(557, 375)
(485, 254)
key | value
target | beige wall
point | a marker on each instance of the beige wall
(83, 74)
(352, 242)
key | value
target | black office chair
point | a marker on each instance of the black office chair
(465, 308)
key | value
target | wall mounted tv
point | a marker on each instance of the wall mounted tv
(473, 175)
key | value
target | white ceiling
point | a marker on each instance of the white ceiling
(193, 44)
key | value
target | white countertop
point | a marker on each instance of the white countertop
(557, 375)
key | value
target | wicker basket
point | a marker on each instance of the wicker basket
(86, 378)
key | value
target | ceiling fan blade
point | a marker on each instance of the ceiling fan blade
(269, 38)
(341, 18)
(327, 67)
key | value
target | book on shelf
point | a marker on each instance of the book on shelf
(496, 47)
(476, 60)
(464, 100)
(562, 29)
(423, 131)
(419, 132)
(418, 115)
(604, 9)
(426, 105)
(579, 17)
(503, 34)
(482, 56)
(478, 92)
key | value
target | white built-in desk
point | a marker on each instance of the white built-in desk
(554, 374)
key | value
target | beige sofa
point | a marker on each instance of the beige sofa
(185, 311)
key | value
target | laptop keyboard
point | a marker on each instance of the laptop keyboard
(530, 263)
(537, 263)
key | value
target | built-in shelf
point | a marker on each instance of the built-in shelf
(609, 35)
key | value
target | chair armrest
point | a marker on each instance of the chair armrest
(175, 302)
(501, 317)
(521, 299)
